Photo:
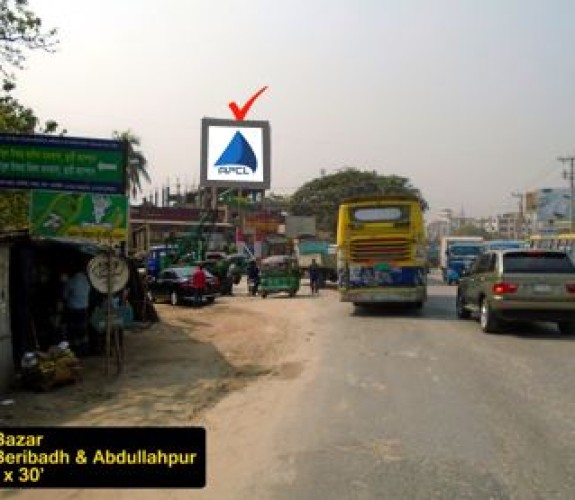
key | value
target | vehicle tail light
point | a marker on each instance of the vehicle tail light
(504, 287)
(570, 287)
(188, 283)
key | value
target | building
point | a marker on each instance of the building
(151, 225)
(549, 210)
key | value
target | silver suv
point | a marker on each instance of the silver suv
(519, 285)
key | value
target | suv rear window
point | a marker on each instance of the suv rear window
(537, 262)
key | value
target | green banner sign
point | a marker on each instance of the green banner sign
(62, 163)
(102, 217)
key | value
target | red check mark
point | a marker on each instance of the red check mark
(240, 113)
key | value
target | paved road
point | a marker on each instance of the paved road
(422, 405)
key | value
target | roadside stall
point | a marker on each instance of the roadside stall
(65, 202)
(40, 268)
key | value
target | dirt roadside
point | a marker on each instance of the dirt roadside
(232, 367)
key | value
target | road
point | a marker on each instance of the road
(422, 405)
(353, 404)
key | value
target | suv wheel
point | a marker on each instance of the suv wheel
(566, 327)
(460, 310)
(487, 319)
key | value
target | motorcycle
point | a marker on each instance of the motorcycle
(253, 286)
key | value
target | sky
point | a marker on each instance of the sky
(471, 100)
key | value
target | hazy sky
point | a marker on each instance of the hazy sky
(470, 99)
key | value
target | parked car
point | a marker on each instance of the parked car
(519, 285)
(174, 285)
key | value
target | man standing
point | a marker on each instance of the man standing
(199, 284)
(76, 303)
(230, 276)
(314, 277)
(253, 278)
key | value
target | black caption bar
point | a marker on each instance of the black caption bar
(102, 457)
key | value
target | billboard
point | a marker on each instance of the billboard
(62, 163)
(93, 216)
(300, 225)
(551, 204)
(235, 154)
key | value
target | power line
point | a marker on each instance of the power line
(569, 175)
(539, 177)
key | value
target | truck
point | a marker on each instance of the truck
(325, 256)
(457, 252)
(184, 248)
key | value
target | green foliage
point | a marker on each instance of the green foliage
(471, 230)
(277, 201)
(20, 31)
(18, 119)
(14, 211)
(137, 167)
(321, 197)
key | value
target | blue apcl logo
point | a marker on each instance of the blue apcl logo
(237, 157)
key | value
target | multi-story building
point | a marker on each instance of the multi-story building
(549, 210)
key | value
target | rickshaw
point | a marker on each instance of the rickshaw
(279, 273)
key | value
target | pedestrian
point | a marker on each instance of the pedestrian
(199, 284)
(314, 277)
(76, 296)
(253, 273)
(230, 276)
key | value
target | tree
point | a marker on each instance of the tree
(137, 164)
(471, 230)
(276, 201)
(20, 31)
(17, 118)
(321, 197)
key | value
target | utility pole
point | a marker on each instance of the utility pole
(520, 219)
(569, 175)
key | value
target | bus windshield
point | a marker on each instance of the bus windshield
(465, 250)
(393, 213)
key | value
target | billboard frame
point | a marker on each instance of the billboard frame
(235, 124)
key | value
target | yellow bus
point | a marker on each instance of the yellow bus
(565, 242)
(382, 250)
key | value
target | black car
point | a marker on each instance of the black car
(174, 285)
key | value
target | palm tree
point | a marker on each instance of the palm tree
(137, 164)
